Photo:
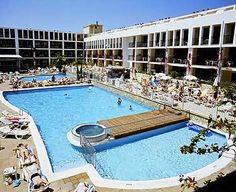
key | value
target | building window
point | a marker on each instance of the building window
(73, 37)
(6, 32)
(46, 35)
(36, 35)
(56, 36)
(20, 33)
(1, 32)
(12, 33)
(60, 36)
(25, 34)
(51, 35)
(41, 34)
(69, 36)
(65, 36)
(31, 34)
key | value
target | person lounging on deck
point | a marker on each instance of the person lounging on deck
(25, 154)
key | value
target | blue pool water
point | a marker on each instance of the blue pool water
(56, 114)
(43, 77)
(151, 155)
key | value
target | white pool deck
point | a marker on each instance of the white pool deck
(97, 180)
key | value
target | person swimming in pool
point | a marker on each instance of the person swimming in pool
(130, 107)
(119, 101)
(66, 94)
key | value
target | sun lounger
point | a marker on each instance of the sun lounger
(15, 122)
(9, 114)
(33, 175)
(84, 187)
(26, 162)
(8, 131)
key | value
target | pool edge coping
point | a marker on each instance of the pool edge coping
(97, 180)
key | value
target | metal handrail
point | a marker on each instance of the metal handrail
(88, 150)
(22, 111)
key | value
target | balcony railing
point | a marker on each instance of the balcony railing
(215, 41)
(163, 43)
(205, 41)
(141, 58)
(157, 43)
(176, 60)
(177, 42)
(170, 42)
(117, 57)
(131, 57)
(141, 44)
(184, 42)
(228, 39)
(195, 41)
(228, 63)
(131, 44)
(150, 43)
(211, 63)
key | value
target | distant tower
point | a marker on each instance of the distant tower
(92, 29)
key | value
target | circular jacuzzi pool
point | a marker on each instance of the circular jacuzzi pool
(92, 132)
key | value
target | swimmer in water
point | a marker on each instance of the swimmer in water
(66, 94)
(130, 107)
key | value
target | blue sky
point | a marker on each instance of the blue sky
(72, 15)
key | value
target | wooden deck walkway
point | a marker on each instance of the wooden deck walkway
(132, 124)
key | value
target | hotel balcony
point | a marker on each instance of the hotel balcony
(131, 57)
(25, 44)
(210, 63)
(150, 43)
(228, 39)
(56, 44)
(41, 44)
(215, 41)
(176, 60)
(205, 41)
(131, 45)
(141, 44)
(141, 58)
(170, 42)
(184, 42)
(177, 42)
(195, 41)
(118, 57)
(163, 43)
(157, 59)
(7, 43)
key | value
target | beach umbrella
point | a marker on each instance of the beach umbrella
(190, 78)
(160, 75)
(165, 78)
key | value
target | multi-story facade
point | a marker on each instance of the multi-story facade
(186, 44)
(37, 47)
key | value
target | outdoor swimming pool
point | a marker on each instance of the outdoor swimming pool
(148, 156)
(43, 77)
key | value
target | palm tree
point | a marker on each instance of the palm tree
(59, 61)
(77, 63)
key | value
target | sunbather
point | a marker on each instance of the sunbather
(23, 151)
(38, 183)
(84, 187)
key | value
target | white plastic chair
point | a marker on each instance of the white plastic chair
(8, 131)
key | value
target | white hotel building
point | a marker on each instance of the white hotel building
(186, 44)
(38, 48)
